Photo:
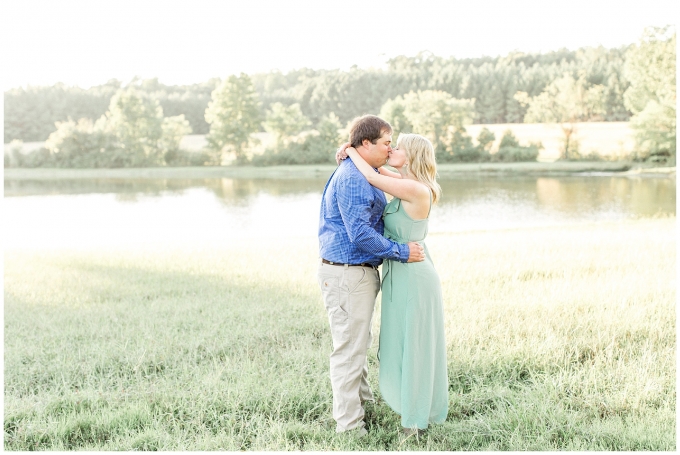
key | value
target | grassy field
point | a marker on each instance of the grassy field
(558, 339)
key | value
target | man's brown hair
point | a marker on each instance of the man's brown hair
(369, 127)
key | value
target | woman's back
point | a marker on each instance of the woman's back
(400, 227)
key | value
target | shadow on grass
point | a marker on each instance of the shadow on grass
(137, 329)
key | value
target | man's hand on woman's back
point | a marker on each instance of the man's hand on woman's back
(416, 252)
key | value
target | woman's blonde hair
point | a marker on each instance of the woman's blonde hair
(421, 162)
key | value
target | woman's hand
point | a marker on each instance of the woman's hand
(341, 154)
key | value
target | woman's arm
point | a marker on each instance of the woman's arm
(388, 173)
(405, 189)
(341, 154)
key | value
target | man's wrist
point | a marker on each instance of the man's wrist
(404, 252)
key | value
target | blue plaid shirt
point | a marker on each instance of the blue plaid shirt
(351, 224)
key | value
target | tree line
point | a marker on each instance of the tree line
(30, 113)
(306, 109)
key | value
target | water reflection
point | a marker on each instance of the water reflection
(86, 213)
(497, 203)
(640, 196)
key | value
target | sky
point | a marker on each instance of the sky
(87, 43)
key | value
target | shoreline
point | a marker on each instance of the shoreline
(446, 170)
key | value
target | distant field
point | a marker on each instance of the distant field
(191, 142)
(614, 140)
(560, 338)
(609, 139)
(197, 142)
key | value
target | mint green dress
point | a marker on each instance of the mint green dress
(412, 352)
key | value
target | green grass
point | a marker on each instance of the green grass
(325, 170)
(558, 339)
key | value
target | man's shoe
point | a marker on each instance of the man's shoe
(358, 432)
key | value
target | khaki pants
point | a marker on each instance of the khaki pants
(349, 295)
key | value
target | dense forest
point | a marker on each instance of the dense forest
(31, 113)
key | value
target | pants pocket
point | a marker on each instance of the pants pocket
(353, 277)
(338, 318)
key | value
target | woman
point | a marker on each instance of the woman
(412, 352)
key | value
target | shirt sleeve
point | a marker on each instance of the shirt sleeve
(354, 202)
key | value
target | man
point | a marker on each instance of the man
(352, 247)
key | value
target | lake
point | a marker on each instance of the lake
(210, 212)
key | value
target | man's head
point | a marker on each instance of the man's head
(371, 136)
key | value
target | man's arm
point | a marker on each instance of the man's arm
(354, 202)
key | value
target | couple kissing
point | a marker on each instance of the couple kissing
(359, 231)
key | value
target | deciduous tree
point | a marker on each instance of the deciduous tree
(430, 113)
(285, 121)
(233, 114)
(137, 121)
(650, 68)
(132, 133)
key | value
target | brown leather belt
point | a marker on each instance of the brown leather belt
(363, 264)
